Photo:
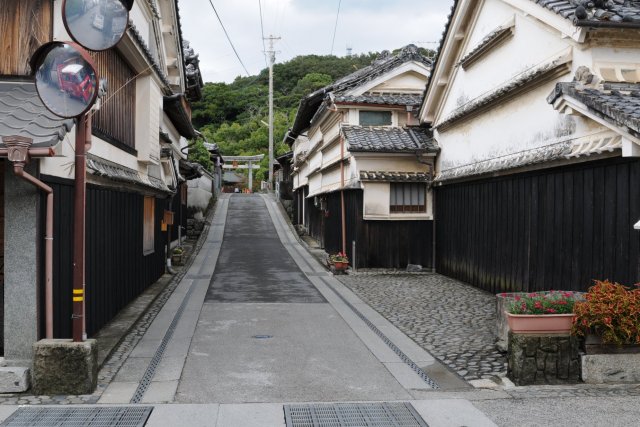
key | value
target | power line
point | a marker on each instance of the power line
(229, 38)
(335, 28)
(264, 47)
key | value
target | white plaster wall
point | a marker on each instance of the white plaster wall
(532, 44)
(148, 107)
(390, 163)
(331, 154)
(199, 192)
(528, 121)
(411, 81)
(524, 123)
(141, 20)
(376, 199)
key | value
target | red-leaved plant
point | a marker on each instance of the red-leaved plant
(611, 311)
(553, 302)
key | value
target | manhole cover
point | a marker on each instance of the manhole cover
(123, 416)
(346, 414)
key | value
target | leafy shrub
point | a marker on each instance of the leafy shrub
(611, 311)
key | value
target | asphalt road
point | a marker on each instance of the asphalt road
(265, 333)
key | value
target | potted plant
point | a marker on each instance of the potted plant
(340, 260)
(176, 255)
(542, 313)
(609, 318)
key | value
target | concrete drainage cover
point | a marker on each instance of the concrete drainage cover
(122, 416)
(346, 414)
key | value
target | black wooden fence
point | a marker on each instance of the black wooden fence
(554, 229)
(116, 269)
(379, 244)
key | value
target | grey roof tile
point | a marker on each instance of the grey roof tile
(388, 139)
(413, 100)
(310, 104)
(618, 103)
(22, 113)
(606, 13)
(118, 173)
(394, 176)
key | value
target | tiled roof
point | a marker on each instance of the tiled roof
(394, 176)
(382, 65)
(492, 39)
(618, 103)
(388, 139)
(510, 161)
(601, 13)
(118, 173)
(23, 114)
(413, 100)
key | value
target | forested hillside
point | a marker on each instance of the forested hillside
(234, 115)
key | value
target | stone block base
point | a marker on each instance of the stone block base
(61, 366)
(611, 368)
(14, 379)
(543, 359)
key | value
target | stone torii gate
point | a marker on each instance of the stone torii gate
(248, 163)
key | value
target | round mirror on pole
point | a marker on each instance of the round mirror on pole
(95, 24)
(66, 78)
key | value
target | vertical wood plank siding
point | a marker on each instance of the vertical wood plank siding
(553, 229)
(25, 25)
(116, 269)
(379, 244)
(115, 121)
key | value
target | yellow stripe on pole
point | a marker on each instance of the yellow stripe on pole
(78, 291)
(78, 299)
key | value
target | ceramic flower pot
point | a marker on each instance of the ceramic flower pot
(540, 323)
(340, 265)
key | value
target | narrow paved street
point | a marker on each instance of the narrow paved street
(257, 324)
(256, 332)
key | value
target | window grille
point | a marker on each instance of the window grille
(408, 197)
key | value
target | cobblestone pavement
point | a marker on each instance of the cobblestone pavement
(116, 359)
(453, 321)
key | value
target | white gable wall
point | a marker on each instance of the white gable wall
(528, 121)
(533, 43)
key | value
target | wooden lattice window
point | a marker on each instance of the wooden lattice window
(115, 121)
(408, 197)
(148, 229)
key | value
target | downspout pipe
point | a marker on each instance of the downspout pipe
(19, 153)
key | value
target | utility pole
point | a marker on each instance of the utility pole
(272, 60)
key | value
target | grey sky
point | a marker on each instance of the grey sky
(306, 27)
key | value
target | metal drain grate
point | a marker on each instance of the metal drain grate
(423, 375)
(353, 415)
(155, 361)
(122, 416)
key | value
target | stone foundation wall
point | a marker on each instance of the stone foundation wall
(194, 228)
(543, 359)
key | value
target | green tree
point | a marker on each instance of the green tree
(199, 154)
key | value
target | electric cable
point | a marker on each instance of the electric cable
(229, 38)
(335, 28)
(264, 47)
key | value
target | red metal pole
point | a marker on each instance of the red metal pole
(79, 230)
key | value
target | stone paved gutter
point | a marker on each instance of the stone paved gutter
(451, 320)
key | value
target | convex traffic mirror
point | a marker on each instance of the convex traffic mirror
(95, 24)
(66, 78)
